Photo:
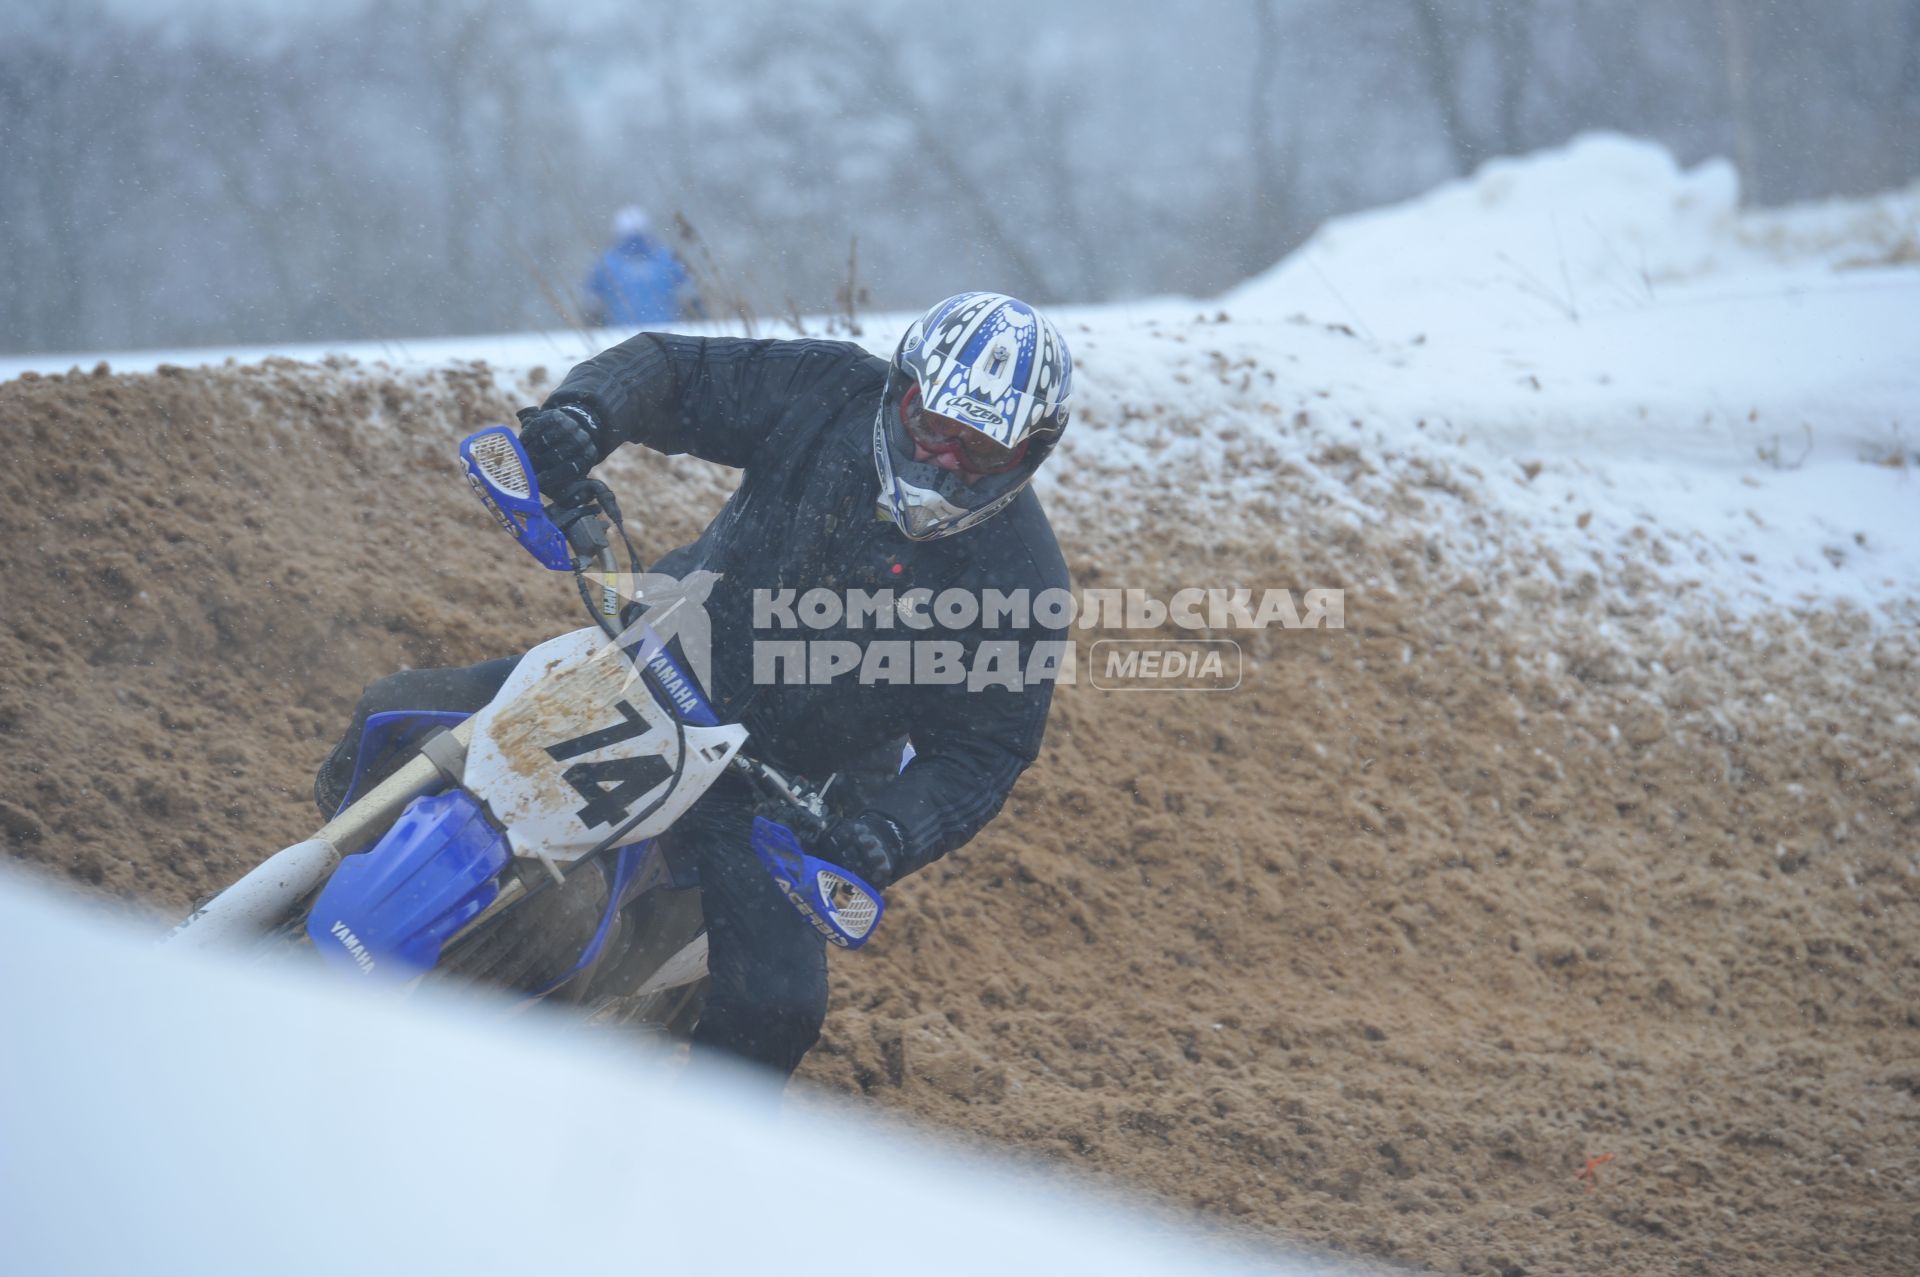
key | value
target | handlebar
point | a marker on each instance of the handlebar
(807, 805)
(586, 514)
(573, 529)
(583, 512)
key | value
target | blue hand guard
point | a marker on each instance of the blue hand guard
(841, 906)
(498, 471)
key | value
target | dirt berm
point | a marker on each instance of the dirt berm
(1376, 951)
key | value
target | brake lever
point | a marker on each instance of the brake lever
(805, 806)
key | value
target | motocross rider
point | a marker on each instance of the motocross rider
(908, 474)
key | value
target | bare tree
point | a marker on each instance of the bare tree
(1904, 125)
(1447, 41)
(1511, 37)
(937, 149)
(1270, 159)
(1733, 38)
(217, 180)
(1439, 53)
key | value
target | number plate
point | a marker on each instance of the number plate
(574, 754)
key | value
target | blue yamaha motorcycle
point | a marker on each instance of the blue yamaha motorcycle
(520, 846)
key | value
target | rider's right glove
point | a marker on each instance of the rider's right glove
(870, 845)
(562, 445)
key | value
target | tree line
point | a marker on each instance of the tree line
(387, 169)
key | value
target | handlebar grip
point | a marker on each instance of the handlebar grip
(583, 526)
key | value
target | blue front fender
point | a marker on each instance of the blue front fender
(388, 910)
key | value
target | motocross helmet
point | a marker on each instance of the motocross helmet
(975, 399)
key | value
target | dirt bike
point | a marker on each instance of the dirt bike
(520, 846)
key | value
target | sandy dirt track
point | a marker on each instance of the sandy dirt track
(1376, 952)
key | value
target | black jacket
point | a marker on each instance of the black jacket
(797, 418)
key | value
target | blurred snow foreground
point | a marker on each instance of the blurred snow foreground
(162, 1113)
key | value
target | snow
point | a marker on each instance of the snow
(167, 1113)
(1607, 224)
(1742, 384)
(1589, 358)
(513, 351)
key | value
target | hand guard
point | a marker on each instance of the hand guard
(562, 445)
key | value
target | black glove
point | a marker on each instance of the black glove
(870, 845)
(562, 445)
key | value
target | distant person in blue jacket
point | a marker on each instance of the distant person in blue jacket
(638, 281)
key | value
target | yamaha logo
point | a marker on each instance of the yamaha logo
(351, 943)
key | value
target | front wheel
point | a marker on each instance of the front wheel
(536, 941)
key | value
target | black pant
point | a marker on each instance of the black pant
(767, 993)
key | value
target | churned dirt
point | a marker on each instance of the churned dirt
(1381, 951)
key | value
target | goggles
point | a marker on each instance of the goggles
(977, 453)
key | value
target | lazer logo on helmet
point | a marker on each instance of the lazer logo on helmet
(974, 410)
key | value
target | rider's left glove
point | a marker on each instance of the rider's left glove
(562, 445)
(871, 845)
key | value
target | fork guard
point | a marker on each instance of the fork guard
(388, 911)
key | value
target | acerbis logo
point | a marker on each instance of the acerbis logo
(811, 914)
(486, 499)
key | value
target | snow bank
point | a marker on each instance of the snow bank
(1600, 226)
(170, 1114)
(1608, 355)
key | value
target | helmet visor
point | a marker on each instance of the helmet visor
(973, 451)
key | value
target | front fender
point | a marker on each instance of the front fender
(390, 909)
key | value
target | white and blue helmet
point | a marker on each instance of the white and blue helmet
(982, 375)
